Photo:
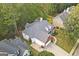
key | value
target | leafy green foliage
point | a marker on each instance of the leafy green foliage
(13, 17)
(8, 17)
(45, 53)
(50, 19)
(72, 23)
(58, 8)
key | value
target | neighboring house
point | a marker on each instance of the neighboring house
(59, 20)
(13, 47)
(38, 32)
(6, 49)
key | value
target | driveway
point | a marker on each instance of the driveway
(56, 50)
(53, 48)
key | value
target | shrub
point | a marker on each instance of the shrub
(45, 53)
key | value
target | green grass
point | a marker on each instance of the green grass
(64, 41)
(45, 53)
(34, 52)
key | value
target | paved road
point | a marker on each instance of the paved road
(56, 50)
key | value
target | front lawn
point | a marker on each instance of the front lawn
(45, 53)
(64, 40)
(34, 52)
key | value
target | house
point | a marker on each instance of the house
(38, 32)
(60, 19)
(13, 47)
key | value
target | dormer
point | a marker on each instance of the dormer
(46, 28)
(49, 27)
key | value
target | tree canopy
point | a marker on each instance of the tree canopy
(72, 23)
(13, 17)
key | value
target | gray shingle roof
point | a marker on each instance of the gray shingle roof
(37, 30)
(21, 45)
(8, 48)
(13, 46)
(19, 42)
(63, 16)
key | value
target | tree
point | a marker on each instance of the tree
(58, 8)
(8, 16)
(72, 23)
(13, 17)
(50, 19)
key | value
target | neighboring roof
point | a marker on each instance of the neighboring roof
(63, 16)
(18, 42)
(3, 53)
(21, 45)
(13, 46)
(37, 30)
(8, 48)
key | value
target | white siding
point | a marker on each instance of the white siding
(48, 42)
(37, 41)
(26, 53)
(25, 36)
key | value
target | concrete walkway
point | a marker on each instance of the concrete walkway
(53, 48)
(76, 53)
(56, 50)
(75, 49)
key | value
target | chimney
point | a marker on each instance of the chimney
(41, 18)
